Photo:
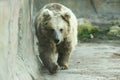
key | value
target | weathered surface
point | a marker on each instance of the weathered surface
(97, 11)
(17, 58)
(91, 61)
(4, 35)
(87, 8)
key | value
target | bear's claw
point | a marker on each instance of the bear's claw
(63, 67)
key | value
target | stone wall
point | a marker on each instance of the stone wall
(18, 60)
(86, 7)
(95, 10)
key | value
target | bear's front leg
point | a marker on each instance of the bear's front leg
(64, 49)
(47, 56)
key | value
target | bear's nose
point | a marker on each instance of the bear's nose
(56, 41)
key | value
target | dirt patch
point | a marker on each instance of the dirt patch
(91, 61)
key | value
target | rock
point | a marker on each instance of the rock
(114, 30)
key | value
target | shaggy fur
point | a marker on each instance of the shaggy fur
(56, 30)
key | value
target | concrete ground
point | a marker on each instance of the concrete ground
(91, 61)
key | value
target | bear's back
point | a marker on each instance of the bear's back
(57, 8)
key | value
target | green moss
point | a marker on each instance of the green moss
(87, 31)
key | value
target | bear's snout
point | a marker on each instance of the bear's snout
(56, 41)
(56, 38)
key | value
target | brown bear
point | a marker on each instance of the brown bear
(56, 30)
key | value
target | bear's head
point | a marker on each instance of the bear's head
(55, 26)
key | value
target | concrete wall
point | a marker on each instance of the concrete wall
(98, 11)
(86, 8)
(18, 60)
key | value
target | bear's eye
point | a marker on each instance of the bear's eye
(61, 30)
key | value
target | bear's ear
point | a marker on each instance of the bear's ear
(66, 17)
(47, 14)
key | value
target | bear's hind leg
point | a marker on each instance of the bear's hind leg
(64, 50)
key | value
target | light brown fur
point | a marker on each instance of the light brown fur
(56, 30)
